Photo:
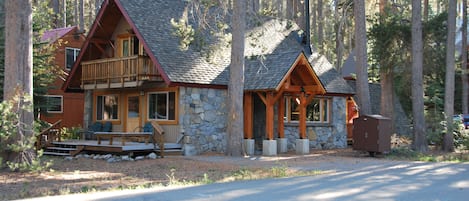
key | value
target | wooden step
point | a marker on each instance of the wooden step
(61, 148)
(55, 153)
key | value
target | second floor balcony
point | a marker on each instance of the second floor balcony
(122, 72)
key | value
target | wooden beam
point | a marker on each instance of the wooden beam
(302, 123)
(262, 97)
(248, 116)
(281, 114)
(101, 49)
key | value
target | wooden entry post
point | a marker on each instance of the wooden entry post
(269, 100)
(248, 113)
(304, 102)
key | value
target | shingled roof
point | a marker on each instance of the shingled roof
(54, 34)
(271, 49)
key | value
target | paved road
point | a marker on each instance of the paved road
(370, 179)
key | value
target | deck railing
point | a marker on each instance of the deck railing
(118, 71)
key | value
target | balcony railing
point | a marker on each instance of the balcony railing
(118, 72)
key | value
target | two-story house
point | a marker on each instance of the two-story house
(132, 70)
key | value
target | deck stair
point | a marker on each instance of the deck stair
(61, 149)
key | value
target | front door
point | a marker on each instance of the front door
(133, 113)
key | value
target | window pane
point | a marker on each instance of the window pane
(172, 106)
(107, 107)
(313, 111)
(325, 112)
(54, 104)
(295, 109)
(157, 108)
(70, 58)
(125, 48)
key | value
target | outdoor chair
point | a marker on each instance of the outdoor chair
(88, 133)
(107, 127)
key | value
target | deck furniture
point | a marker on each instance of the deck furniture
(124, 136)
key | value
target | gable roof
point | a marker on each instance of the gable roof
(54, 34)
(275, 44)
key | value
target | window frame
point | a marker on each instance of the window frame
(96, 108)
(61, 104)
(130, 47)
(324, 102)
(167, 106)
(76, 52)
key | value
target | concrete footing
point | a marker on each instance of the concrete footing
(282, 145)
(302, 146)
(249, 146)
(269, 147)
(189, 150)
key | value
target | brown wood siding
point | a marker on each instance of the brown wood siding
(73, 103)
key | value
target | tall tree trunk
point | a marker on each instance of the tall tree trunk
(289, 10)
(465, 70)
(236, 83)
(449, 80)
(363, 90)
(426, 7)
(320, 26)
(419, 140)
(19, 67)
(81, 17)
(386, 81)
(55, 4)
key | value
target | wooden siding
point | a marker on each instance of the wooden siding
(118, 72)
(73, 103)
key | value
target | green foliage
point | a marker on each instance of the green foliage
(15, 145)
(184, 32)
(70, 133)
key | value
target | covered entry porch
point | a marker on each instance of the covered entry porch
(298, 83)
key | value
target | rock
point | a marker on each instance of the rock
(111, 160)
(96, 157)
(86, 156)
(79, 156)
(107, 156)
(125, 158)
(152, 155)
(68, 158)
(139, 158)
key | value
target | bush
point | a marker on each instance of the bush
(16, 146)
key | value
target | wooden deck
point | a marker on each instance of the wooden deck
(94, 146)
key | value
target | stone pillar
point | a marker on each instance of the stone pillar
(249, 146)
(302, 146)
(269, 147)
(88, 109)
(282, 145)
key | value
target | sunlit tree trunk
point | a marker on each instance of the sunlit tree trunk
(320, 26)
(465, 74)
(363, 91)
(419, 139)
(449, 80)
(19, 67)
(236, 83)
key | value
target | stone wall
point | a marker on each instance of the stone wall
(323, 136)
(202, 116)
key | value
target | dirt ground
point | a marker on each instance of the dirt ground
(87, 175)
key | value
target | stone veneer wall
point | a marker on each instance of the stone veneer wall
(323, 136)
(202, 116)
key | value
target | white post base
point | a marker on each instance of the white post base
(282, 145)
(269, 147)
(302, 146)
(249, 146)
